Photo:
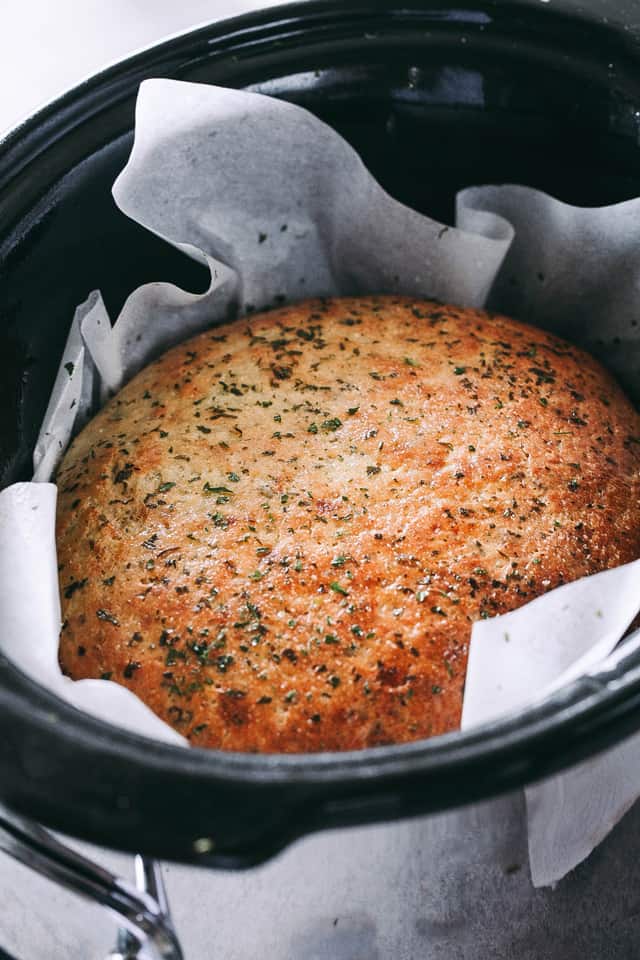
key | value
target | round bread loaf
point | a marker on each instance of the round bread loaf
(280, 533)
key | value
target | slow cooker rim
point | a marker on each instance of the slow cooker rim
(579, 704)
(586, 714)
(14, 140)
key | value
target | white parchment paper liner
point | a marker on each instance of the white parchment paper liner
(280, 208)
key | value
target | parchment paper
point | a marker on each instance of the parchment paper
(281, 208)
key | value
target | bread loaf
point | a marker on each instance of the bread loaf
(280, 533)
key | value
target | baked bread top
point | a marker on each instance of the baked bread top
(280, 533)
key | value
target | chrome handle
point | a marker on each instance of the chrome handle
(148, 878)
(142, 911)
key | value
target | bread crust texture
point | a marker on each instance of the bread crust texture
(280, 533)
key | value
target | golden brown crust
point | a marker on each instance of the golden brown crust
(279, 534)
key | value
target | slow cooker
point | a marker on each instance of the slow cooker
(434, 96)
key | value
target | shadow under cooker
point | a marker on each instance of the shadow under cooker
(434, 97)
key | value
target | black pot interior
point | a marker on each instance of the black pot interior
(434, 98)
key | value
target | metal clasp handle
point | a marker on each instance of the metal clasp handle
(142, 910)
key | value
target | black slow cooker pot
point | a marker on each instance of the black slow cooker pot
(559, 110)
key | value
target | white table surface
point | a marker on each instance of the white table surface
(47, 46)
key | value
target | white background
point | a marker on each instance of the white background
(47, 46)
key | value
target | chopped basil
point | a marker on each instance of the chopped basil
(337, 588)
(107, 617)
